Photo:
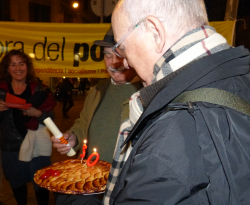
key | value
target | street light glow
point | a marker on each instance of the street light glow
(75, 5)
(32, 55)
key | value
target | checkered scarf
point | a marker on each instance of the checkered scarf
(195, 44)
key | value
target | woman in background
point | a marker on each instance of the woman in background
(18, 78)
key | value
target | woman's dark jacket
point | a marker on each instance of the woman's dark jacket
(191, 157)
(10, 138)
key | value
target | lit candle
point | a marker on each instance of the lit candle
(84, 147)
(90, 157)
(56, 132)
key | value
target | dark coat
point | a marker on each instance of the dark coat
(188, 158)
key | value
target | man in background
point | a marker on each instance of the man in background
(67, 96)
(105, 108)
(84, 83)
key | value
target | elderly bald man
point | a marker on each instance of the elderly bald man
(190, 144)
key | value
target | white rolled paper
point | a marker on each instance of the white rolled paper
(52, 127)
(57, 133)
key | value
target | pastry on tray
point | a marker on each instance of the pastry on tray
(73, 177)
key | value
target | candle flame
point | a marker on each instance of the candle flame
(85, 141)
(94, 149)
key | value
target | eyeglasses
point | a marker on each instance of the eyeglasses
(115, 48)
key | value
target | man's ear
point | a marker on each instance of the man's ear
(155, 26)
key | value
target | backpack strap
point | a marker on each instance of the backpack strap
(215, 96)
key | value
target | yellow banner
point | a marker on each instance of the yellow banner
(66, 49)
(226, 29)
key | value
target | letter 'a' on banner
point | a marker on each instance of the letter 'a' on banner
(66, 49)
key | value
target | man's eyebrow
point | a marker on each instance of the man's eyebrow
(122, 47)
(106, 52)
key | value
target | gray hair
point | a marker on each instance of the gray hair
(179, 15)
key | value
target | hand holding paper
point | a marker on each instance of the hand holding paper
(56, 132)
(16, 102)
(3, 106)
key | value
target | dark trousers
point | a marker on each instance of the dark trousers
(67, 104)
(20, 194)
(18, 173)
(67, 199)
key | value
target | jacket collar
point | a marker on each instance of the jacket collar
(195, 44)
(158, 95)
